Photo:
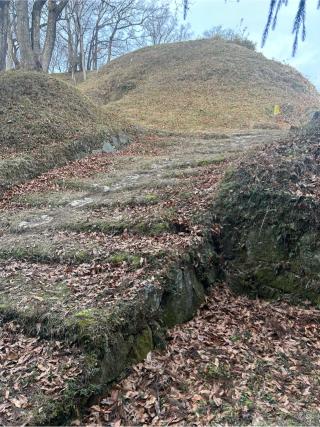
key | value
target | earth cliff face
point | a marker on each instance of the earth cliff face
(269, 208)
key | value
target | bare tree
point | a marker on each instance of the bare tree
(161, 26)
(100, 20)
(184, 32)
(238, 36)
(4, 25)
(91, 33)
(126, 14)
(32, 56)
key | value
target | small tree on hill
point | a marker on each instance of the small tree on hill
(240, 37)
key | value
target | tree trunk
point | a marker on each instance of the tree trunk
(4, 24)
(95, 51)
(71, 52)
(14, 51)
(10, 58)
(110, 43)
(26, 53)
(35, 27)
(83, 59)
(54, 11)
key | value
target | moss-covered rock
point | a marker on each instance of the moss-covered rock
(143, 344)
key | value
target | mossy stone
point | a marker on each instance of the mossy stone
(182, 297)
(143, 344)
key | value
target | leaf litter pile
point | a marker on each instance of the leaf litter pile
(31, 369)
(239, 361)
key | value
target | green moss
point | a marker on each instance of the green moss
(60, 290)
(220, 372)
(143, 344)
(151, 228)
(159, 228)
(80, 256)
(246, 400)
(85, 317)
(185, 195)
(58, 411)
(84, 327)
(37, 253)
(45, 253)
(121, 257)
(151, 198)
(107, 227)
(207, 162)
(118, 227)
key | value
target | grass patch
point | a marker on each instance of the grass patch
(136, 226)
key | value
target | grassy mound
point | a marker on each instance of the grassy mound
(200, 85)
(44, 123)
(269, 209)
(38, 110)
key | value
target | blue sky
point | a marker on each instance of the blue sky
(204, 14)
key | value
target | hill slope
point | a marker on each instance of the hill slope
(37, 109)
(45, 123)
(200, 85)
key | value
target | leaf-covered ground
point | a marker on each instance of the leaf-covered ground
(238, 362)
(30, 371)
(80, 241)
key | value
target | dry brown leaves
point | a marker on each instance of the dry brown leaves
(240, 361)
(83, 168)
(31, 370)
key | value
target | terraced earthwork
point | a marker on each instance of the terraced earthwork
(97, 258)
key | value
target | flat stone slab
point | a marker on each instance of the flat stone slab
(108, 148)
(81, 202)
(35, 222)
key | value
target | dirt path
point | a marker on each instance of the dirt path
(92, 254)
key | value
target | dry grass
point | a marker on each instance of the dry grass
(201, 85)
(38, 110)
(45, 123)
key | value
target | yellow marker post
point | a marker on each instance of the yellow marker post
(276, 110)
